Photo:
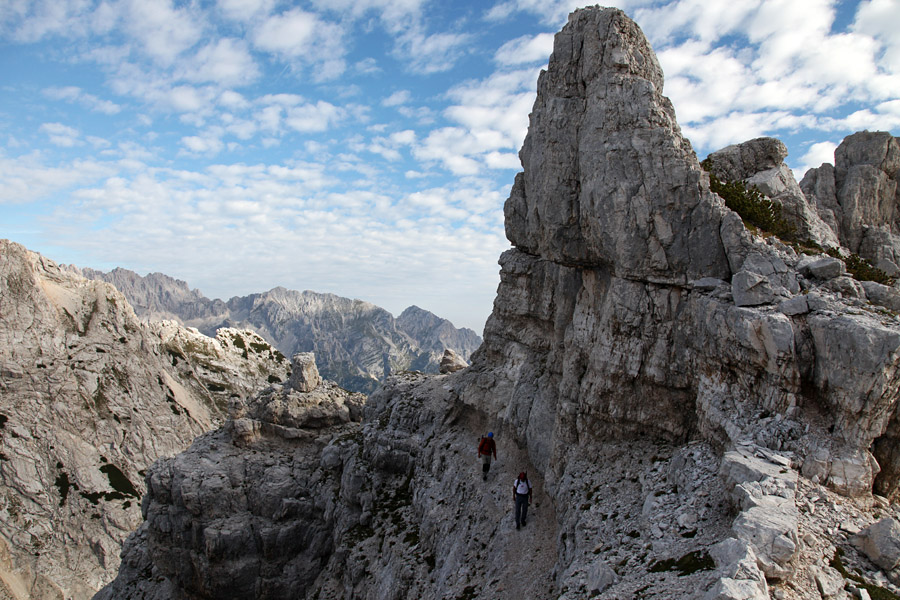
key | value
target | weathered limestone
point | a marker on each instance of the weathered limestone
(760, 163)
(686, 398)
(859, 196)
(881, 543)
(89, 398)
(452, 362)
(356, 357)
(595, 329)
(304, 373)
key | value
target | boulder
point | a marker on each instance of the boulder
(304, 373)
(881, 543)
(451, 362)
(821, 267)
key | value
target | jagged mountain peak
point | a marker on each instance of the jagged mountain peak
(357, 343)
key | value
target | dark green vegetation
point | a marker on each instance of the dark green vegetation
(758, 212)
(753, 207)
(122, 486)
(875, 592)
(686, 565)
(861, 269)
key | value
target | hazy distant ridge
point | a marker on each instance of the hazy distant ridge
(356, 343)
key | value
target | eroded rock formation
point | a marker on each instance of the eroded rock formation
(859, 196)
(89, 398)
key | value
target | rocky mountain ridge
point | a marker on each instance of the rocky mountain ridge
(704, 410)
(90, 396)
(357, 344)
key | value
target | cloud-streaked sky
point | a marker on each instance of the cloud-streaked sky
(366, 147)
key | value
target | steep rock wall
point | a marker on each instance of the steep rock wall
(89, 398)
(634, 302)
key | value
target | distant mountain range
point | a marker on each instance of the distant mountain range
(356, 343)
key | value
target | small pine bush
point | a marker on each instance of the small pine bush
(753, 207)
(861, 269)
(760, 212)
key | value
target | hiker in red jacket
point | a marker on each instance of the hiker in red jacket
(486, 447)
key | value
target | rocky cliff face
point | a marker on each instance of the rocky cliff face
(90, 397)
(859, 195)
(703, 412)
(357, 344)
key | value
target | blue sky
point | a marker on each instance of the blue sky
(366, 147)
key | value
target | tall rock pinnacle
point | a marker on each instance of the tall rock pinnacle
(608, 179)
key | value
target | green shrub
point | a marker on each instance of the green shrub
(861, 269)
(875, 592)
(752, 206)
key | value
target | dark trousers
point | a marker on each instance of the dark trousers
(521, 508)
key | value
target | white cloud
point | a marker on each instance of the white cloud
(818, 153)
(233, 100)
(185, 98)
(61, 135)
(404, 138)
(880, 19)
(28, 178)
(313, 117)
(245, 10)
(303, 38)
(162, 30)
(288, 34)
(395, 15)
(702, 20)
(89, 101)
(526, 49)
(433, 53)
(397, 98)
(209, 142)
(226, 62)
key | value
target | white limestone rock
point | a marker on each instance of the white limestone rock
(451, 362)
(880, 542)
(304, 373)
(89, 397)
(859, 195)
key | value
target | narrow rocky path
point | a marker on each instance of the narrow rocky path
(523, 560)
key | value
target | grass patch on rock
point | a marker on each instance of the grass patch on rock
(688, 564)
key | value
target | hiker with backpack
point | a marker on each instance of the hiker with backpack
(486, 447)
(522, 498)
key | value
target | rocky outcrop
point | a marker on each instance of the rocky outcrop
(357, 344)
(760, 164)
(452, 362)
(604, 334)
(859, 195)
(697, 406)
(89, 398)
